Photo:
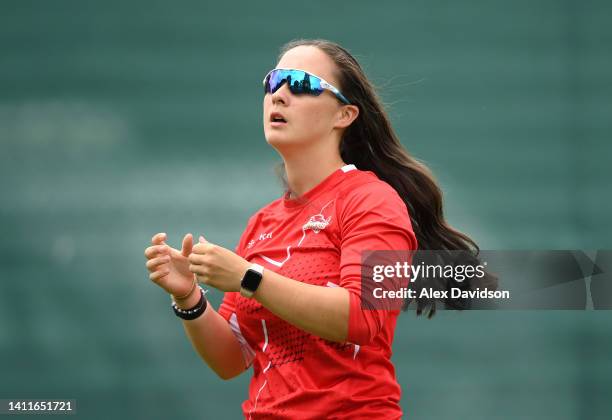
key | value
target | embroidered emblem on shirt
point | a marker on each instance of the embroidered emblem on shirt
(317, 223)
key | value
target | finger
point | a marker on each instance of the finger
(202, 240)
(187, 245)
(156, 250)
(202, 248)
(155, 262)
(195, 258)
(158, 238)
(198, 270)
(195, 268)
(204, 279)
(157, 275)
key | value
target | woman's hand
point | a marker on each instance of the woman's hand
(217, 266)
(169, 267)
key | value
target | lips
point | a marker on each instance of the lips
(278, 118)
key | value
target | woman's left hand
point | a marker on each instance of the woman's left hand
(217, 266)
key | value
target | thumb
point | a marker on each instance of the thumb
(202, 240)
(187, 245)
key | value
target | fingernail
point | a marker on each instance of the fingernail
(202, 240)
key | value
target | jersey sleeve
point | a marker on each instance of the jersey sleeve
(373, 217)
(228, 305)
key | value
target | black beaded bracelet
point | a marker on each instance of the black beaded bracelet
(192, 313)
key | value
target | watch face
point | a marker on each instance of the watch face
(251, 280)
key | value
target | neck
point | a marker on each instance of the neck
(307, 169)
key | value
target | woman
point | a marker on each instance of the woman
(291, 307)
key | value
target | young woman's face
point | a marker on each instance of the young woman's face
(308, 118)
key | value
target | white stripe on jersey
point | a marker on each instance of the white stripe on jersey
(247, 351)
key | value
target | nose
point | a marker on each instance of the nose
(281, 96)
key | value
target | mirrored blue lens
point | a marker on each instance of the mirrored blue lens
(299, 82)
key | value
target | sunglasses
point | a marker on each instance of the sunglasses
(299, 82)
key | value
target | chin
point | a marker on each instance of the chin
(283, 143)
(274, 138)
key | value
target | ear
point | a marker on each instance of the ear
(346, 115)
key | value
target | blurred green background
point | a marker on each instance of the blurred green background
(120, 119)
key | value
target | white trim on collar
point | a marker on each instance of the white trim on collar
(347, 168)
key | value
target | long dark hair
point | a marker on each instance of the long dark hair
(371, 144)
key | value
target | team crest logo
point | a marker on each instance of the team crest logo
(317, 223)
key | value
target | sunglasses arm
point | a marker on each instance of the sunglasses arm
(335, 91)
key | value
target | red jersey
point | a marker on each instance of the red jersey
(318, 239)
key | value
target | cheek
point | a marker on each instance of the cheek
(318, 118)
(265, 106)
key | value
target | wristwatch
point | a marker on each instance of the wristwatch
(250, 281)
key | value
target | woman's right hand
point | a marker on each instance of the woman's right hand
(169, 267)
